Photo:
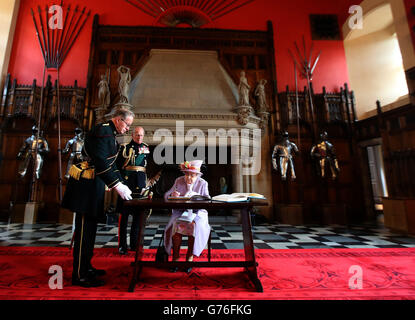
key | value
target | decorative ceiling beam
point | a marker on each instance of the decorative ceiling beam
(200, 4)
(193, 12)
(216, 7)
(233, 9)
(140, 8)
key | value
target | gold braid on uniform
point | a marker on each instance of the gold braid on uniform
(128, 158)
(82, 170)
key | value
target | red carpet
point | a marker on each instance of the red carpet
(285, 274)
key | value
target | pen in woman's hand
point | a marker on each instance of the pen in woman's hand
(175, 193)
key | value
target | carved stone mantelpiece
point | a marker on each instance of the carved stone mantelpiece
(252, 119)
(243, 114)
(180, 97)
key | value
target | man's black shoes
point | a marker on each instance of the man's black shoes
(90, 280)
(87, 282)
(123, 250)
(92, 272)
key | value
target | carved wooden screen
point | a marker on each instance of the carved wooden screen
(113, 46)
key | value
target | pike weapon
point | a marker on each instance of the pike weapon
(55, 44)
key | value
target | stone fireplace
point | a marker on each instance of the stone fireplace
(187, 102)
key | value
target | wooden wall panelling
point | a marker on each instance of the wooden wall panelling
(399, 148)
(20, 105)
(15, 130)
(399, 142)
(323, 198)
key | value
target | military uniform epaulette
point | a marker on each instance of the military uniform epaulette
(104, 130)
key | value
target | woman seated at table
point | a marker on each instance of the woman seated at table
(198, 230)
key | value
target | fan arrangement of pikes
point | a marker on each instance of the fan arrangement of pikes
(304, 64)
(192, 12)
(56, 32)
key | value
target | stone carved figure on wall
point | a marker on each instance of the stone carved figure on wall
(325, 154)
(261, 97)
(28, 152)
(74, 146)
(124, 84)
(243, 109)
(243, 89)
(104, 92)
(283, 155)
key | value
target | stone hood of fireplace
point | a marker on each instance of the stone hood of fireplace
(180, 97)
(183, 82)
(188, 86)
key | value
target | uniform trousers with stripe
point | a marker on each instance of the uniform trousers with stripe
(136, 181)
(122, 227)
(83, 249)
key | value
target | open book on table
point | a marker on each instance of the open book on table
(238, 197)
(187, 216)
(195, 197)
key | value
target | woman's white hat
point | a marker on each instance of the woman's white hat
(191, 166)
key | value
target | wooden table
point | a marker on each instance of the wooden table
(249, 263)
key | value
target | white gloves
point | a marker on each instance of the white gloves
(123, 191)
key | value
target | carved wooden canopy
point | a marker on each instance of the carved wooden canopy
(195, 13)
(249, 51)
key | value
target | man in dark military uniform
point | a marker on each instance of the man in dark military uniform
(132, 160)
(85, 190)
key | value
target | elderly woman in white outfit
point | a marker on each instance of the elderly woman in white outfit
(188, 185)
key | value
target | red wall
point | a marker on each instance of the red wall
(289, 18)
